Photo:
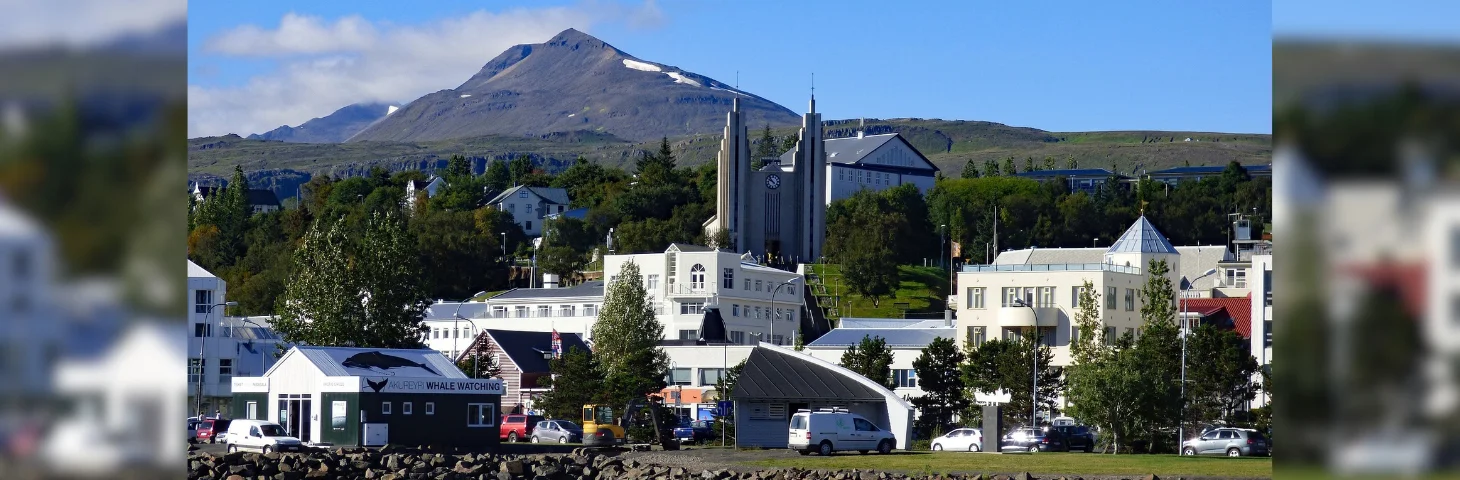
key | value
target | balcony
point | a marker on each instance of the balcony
(1054, 267)
(690, 290)
(1025, 317)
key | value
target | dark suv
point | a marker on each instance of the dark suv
(1034, 440)
(1077, 437)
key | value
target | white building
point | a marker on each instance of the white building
(30, 343)
(987, 294)
(210, 354)
(453, 325)
(528, 205)
(1261, 284)
(415, 188)
(873, 162)
(906, 343)
(693, 372)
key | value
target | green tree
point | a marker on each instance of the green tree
(862, 232)
(458, 260)
(789, 143)
(499, 176)
(764, 148)
(1029, 164)
(970, 169)
(991, 168)
(1157, 354)
(576, 380)
(656, 169)
(1049, 162)
(627, 337)
(1009, 365)
(1070, 162)
(1221, 382)
(481, 364)
(365, 294)
(941, 379)
(872, 358)
(520, 168)
(1009, 169)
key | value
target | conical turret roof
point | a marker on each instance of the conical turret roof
(1142, 237)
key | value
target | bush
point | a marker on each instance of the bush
(920, 445)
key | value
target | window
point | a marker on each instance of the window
(195, 370)
(778, 339)
(544, 311)
(529, 225)
(253, 411)
(477, 414)
(729, 281)
(1130, 299)
(1010, 295)
(976, 335)
(1046, 336)
(512, 207)
(673, 268)
(737, 337)
(757, 313)
(385, 408)
(1241, 279)
(1046, 297)
(975, 297)
(1267, 333)
(590, 310)
(678, 376)
(405, 408)
(710, 376)
(689, 334)
(435, 333)
(499, 312)
(863, 425)
(1074, 334)
(747, 284)
(1110, 335)
(566, 310)
(522, 194)
(225, 370)
(691, 308)
(521, 312)
(734, 309)
(1012, 334)
(652, 282)
(430, 408)
(658, 309)
(906, 378)
(757, 285)
(203, 300)
(1110, 298)
(202, 329)
(1075, 296)
(697, 277)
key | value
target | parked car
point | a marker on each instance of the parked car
(827, 430)
(1034, 440)
(561, 431)
(261, 435)
(211, 429)
(517, 427)
(193, 429)
(1077, 437)
(1232, 442)
(694, 431)
(969, 439)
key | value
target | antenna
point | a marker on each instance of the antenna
(813, 84)
(737, 79)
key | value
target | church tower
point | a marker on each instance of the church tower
(810, 171)
(733, 164)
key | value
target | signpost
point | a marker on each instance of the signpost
(993, 418)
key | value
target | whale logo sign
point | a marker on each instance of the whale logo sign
(377, 386)
(383, 363)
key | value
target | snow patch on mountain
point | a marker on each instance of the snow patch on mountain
(680, 78)
(391, 109)
(641, 66)
(464, 95)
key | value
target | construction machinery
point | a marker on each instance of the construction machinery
(605, 426)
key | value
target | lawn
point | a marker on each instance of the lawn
(483, 297)
(1039, 464)
(922, 293)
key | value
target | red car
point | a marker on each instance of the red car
(518, 427)
(211, 430)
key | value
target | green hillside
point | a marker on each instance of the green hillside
(922, 294)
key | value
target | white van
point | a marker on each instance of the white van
(830, 429)
(261, 435)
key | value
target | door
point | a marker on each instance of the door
(866, 434)
(1207, 442)
(306, 419)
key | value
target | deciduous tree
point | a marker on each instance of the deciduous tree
(627, 336)
(871, 358)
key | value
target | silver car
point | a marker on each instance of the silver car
(560, 431)
(1232, 442)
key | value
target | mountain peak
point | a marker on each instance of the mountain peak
(574, 39)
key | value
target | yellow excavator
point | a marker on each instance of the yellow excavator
(600, 430)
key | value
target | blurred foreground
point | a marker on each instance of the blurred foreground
(92, 155)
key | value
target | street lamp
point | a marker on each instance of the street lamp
(1181, 426)
(1034, 391)
(202, 348)
(250, 342)
(773, 307)
(942, 243)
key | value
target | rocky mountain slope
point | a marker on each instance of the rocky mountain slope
(333, 128)
(574, 82)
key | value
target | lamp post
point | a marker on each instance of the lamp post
(1181, 426)
(1034, 391)
(261, 356)
(942, 243)
(202, 355)
(774, 291)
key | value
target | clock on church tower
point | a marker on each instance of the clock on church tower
(773, 182)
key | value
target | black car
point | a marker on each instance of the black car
(1034, 440)
(697, 431)
(1077, 437)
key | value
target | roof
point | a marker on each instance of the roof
(712, 326)
(850, 150)
(895, 337)
(528, 349)
(262, 197)
(1142, 237)
(360, 362)
(556, 196)
(1239, 308)
(1070, 172)
(859, 322)
(1408, 280)
(449, 310)
(585, 289)
(1210, 170)
(687, 247)
(195, 271)
(577, 213)
(773, 374)
(1050, 256)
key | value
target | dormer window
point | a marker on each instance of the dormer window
(522, 194)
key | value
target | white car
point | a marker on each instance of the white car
(960, 440)
(828, 430)
(261, 435)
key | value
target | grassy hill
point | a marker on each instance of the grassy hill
(922, 294)
(949, 144)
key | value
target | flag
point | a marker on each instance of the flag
(957, 249)
(557, 344)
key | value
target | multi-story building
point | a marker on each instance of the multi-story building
(1088, 180)
(529, 205)
(1009, 300)
(1261, 337)
(211, 355)
(31, 342)
(452, 326)
(1179, 174)
(872, 162)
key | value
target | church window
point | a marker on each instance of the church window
(747, 284)
(697, 277)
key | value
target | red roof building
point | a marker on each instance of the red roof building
(1230, 312)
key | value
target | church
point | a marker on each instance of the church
(778, 212)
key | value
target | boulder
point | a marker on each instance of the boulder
(1151, 477)
(513, 467)
(1024, 476)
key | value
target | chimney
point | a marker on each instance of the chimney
(948, 317)
(862, 127)
(549, 280)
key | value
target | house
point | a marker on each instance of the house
(428, 186)
(1088, 180)
(452, 327)
(259, 200)
(1180, 174)
(873, 162)
(371, 397)
(907, 344)
(529, 205)
(523, 357)
(778, 381)
(211, 355)
(32, 339)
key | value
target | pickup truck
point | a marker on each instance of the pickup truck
(697, 431)
(517, 427)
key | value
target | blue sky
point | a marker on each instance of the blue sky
(1059, 66)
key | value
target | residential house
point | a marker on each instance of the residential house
(1088, 180)
(417, 188)
(529, 205)
(452, 326)
(259, 200)
(1176, 175)
(524, 360)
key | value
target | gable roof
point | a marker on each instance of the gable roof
(527, 349)
(577, 213)
(895, 337)
(851, 150)
(195, 271)
(1070, 172)
(262, 197)
(773, 374)
(556, 196)
(585, 289)
(361, 362)
(1142, 237)
(1239, 308)
(689, 247)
